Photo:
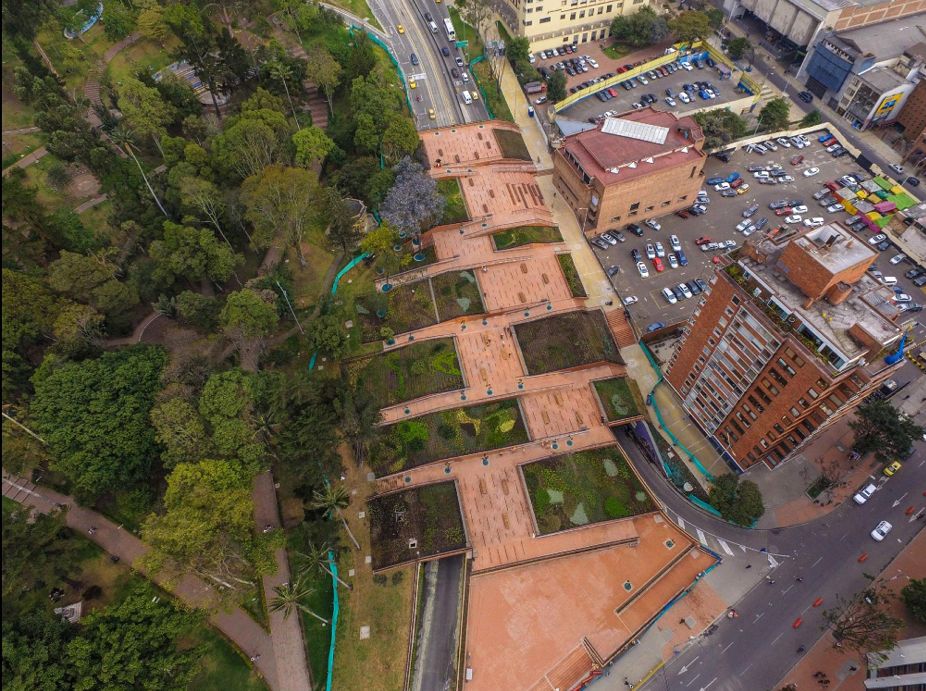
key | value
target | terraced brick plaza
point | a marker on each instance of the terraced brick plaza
(499, 392)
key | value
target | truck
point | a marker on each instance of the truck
(535, 87)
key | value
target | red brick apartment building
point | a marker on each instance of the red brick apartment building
(791, 337)
(638, 165)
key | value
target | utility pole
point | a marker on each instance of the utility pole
(291, 310)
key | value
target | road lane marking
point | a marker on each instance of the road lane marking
(681, 522)
(758, 616)
(692, 680)
(701, 537)
(777, 637)
(727, 647)
(787, 589)
(725, 547)
(816, 562)
(709, 684)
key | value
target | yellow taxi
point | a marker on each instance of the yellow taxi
(743, 189)
(412, 84)
(431, 114)
(475, 94)
(400, 28)
(892, 468)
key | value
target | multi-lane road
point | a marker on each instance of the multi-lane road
(755, 650)
(436, 88)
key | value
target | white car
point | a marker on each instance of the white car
(793, 218)
(799, 209)
(889, 280)
(669, 296)
(902, 297)
(643, 80)
(686, 291)
(683, 97)
(833, 208)
(815, 222)
(876, 239)
(650, 251)
(897, 258)
(674, 241)
(670, 101)
(660, 250)
(743, 225)
(653, 223)
(728, 244)
(897, 168)
(881, 530)
(722, 186)
(531, 59)
(810, 172)
(784, 142)
(759, 174)
(673, 261)
(864, 494)
(631, 299)
(785, 178)
(644, 272)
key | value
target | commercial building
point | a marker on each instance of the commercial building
(913, 120)
(638, 165)
(549, 24)
(792, 336)
(867, 74)
(796, 24)
(902, 668)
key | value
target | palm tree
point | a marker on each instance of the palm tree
(289, 597)
(280, 70)
(122, 137)
(317, 558)
(332, 499)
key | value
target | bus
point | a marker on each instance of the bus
(448, 27)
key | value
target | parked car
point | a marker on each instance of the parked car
(794, 218)
(635, 229)
(694, 288)
(653, 223)
(655, 326)
(658, 265)
(644, 272)
(881, 530)
(608, 238)
(630, 300)
(682, 259)
(613, 269)
(635, 255)
(650, 251)
(750, 211)
(815, 222)
(675, 243)
(660, 250)
(833, 208)
(673, 260)
(810, 172)
(703, 240)
(778, 204)
(897, 258)
(874, 240)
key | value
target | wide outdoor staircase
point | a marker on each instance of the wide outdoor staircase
(569, 671)
(315, 103)
(621, 328)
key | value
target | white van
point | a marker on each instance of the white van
(433, 27)
(467, 99)
(465, 77)
(864, 494)
(889, 280)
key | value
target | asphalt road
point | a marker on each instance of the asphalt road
(755, 650)
(435, 669)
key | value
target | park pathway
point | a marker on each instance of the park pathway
(233, 622)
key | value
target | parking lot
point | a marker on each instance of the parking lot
(719, 223)
(725, 90)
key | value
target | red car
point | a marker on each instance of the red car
(786, 211)
(682, 213)
(658, 265)
(703, 240)
(736, 183)
(796, 160)
(612, 91)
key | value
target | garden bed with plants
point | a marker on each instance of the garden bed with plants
(620, 397)
(457, 294)
(455, 209)
(566, 340)
(585, 487)
(404, 308)
(525, 235)
(571, 275)
(448, 433)
(415, 370)
(512, 144)
(415, 523)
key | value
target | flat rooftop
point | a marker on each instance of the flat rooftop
(885, 40)
(615, 150)
(869, 304)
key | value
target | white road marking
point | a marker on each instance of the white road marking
(816, 562)
(725, 547)
(681, 523)
(701, 537)
(758, 616)
(709, 684)
(777, 637)
(787, 589)
(692, 680)
(727, 647)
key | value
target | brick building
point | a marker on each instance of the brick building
(913, 120)
(638, 165)
(791, 337)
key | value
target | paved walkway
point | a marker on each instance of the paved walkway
(233, 622)
(27, 160)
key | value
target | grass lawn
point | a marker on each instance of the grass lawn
(15, 146)
(457, 294)
(512, 144)
(126, 507)
(415, 370)
(428, 515)
(222, 667)
(620, 397)
(525, 235)
(321, 601)
(566, 340)
(616, 51)
(494, 98)
(466, 33)
(426, 256)
(309, 281)
(141, 55)
(585, 487)
(360, 8)
(449, 433)
(73, 59)
(572, 275)
(404, 308)
(455, 210)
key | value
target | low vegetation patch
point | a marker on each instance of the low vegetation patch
(620, 397)
(415, 370)
(585, 487)
(404, 308)
(525, 235)
(457, 294)
(455, 209)
(415, 523)
(571, 274)
(512, 144)
(449, 433)
(566, 340)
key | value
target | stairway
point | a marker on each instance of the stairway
(566, 673)
(621, 328)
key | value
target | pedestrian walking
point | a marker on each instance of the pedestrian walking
(748, 566)
(799, 579)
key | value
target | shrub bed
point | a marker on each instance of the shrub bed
(566, 340)
(404, 308)
(525, 235)
(448, 433)
(620, 397)
(585, 487)
(455, 210)
(415, 370)
(457, 294)
(571, 274)
(512, 145)
(428, 515)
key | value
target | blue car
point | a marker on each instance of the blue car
(655, 326)
(704, 95)
(682, 259)
(733, 176)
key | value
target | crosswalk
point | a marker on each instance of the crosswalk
(716, 543)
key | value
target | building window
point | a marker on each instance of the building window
(778, 428)
(582, 14)
(608, 8)
(572, 16)
(545, 20)
(665, 204)
(683, 198)
(694, 169)
(600, 10)
(812, 392)
(794, 411)
(735, 300)
(650, 208)
(635, 206)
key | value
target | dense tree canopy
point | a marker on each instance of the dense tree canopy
(191, 254)
(720, 127)
(738, 501)
(642, 28)
(879, 427)
(775, 115)
(94, 415)
(413, 204)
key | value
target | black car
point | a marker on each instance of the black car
(679, 295)
(883, 246)
(761, 223)
(702, 284)
(693, 287)
(920, 281)
(445, 51)
(413, 58)
(428, 17)
(913, 182)
(914, 272)
(635, 255)
(613, 269)
(805, 96)
(635, 229)
(455, 73)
